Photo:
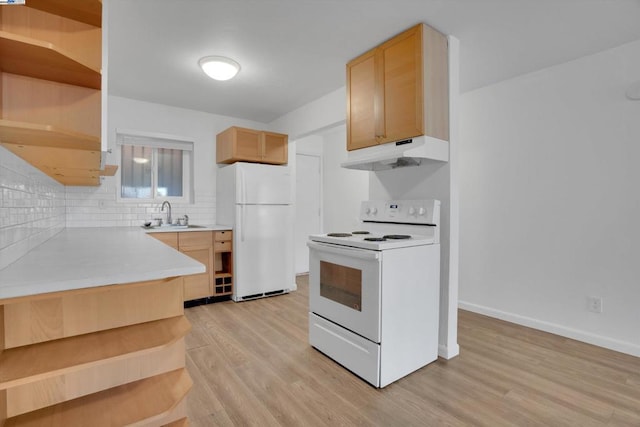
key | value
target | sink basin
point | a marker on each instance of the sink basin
(172, 227)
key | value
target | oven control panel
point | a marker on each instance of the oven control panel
(401, 211)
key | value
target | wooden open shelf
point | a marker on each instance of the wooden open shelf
(42, 135)
(67, 166)
(34, 58)
(138, 403)
(87, 11)
(51, 86)
(101, 356)
(30, 363)
(109, 170)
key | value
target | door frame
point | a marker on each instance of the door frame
(312, 151)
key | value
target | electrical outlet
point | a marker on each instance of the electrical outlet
(594, 304)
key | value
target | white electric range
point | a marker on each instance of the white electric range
(374, 293)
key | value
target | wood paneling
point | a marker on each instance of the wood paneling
(87, 11)
(252, 365)
(94, 378)
(104, 356)
(74, 108)
(152, 401)
(74, 313)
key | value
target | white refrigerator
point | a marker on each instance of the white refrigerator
(257, 201)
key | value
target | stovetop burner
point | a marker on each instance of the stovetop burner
(360, 232)
(339, 235)
(374, 239)
(397, 236)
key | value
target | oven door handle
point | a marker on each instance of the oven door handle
(344, 250)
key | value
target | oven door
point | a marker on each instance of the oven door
(344, 287)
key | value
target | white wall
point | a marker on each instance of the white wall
(97, 206)
(315, 117)
(344, 189)
(550, 201)
(31, 207)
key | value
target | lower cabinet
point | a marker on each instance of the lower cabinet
(211, 248)
(199, 246)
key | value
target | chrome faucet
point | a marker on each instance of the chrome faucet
(168, 211)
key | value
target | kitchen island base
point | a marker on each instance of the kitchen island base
(109, 355)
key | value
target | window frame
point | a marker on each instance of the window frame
(154, 141)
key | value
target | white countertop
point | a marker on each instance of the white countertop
(79, 258)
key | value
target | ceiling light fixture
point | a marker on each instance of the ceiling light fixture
(219, 67)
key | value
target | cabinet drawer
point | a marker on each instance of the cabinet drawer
(195, 238)
(222, 236)
(222, 246)
(170, 239)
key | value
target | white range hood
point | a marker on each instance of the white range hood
(409, 152)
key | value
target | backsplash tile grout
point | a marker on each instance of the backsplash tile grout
(32, 207)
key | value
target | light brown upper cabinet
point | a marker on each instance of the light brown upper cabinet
(399, 90)
(238, 144)
(50, 73)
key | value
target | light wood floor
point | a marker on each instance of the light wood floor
(252, 365)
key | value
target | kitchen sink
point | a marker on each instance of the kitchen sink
(172, 227)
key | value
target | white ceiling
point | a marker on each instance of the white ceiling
(294, 51)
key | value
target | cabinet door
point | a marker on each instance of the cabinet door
(238, 144)
(274, 148)
(198, 285)
(248, 145)
(362, 101)
(402, 86)
(199, 246)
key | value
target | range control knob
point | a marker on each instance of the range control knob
(412, 211)
(374, 210)
(367, 211)
(422, 211)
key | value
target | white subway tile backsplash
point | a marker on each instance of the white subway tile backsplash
(32, 207)
(88, 207)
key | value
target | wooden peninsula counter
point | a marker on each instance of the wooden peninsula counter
(92, 332)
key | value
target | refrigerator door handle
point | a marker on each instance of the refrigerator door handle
(243, 187)
(242, 226)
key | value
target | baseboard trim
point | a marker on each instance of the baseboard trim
(576, 334)
(448, 352)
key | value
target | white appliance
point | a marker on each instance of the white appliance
(256, 200)
(409, 152)
(374, 293)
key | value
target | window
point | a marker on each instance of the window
(153, 167)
